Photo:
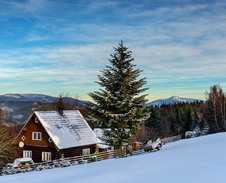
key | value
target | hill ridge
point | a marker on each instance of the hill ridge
(172, 100)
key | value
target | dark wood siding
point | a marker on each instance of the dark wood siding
(56, 154)
(27, 131)
(77, 151)
(37, 152)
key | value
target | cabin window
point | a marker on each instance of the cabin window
(36, 120)
(50, 140)
(27, 154)
(37, 136)
(23, 138)
(86, 151)
(46, 156)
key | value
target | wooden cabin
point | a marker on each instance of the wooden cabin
(49, 135)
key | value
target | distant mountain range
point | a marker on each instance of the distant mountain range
(21, 106)
(34, 98)
(172, 100)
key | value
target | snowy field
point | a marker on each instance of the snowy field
(197, 160)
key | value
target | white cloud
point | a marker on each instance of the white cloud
(176, 43)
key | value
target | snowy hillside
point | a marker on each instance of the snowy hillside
(19, 111)
(27, 97)
(197, 160)
(33, 98)
(171, 100)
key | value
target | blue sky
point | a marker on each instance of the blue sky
(54, 46)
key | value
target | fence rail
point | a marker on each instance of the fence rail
(76, 160)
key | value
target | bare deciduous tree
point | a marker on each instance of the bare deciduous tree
(7, 149)
(215, 109)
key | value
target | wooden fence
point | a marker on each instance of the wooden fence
(76, 160)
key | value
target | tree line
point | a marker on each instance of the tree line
(203, 117)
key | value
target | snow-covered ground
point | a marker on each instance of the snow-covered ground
(197, 160)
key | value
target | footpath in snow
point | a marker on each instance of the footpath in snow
(196, 160)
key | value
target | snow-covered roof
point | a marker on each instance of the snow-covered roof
(103, 146)
(67, 130)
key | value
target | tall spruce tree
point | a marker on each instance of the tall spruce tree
(118, 104)
(195, 119)
(204, 127)
(154, 120)
(178, 119)
(188, 120)
(60, 104)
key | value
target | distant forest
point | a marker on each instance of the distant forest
(175, 119)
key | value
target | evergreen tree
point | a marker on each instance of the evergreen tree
(118, 103)
(188, 120)
(60, 103)
(204, 126)
(197, 130)
(195, 120)
(154, 120)
(173, 123)
(178, 121)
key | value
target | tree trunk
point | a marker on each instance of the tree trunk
(215, 113)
